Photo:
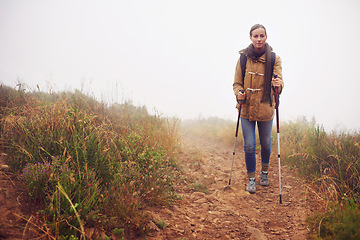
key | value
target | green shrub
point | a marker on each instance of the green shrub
(337, 223)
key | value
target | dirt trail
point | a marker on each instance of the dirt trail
(233, 213)
(14, 210)
(220, 213)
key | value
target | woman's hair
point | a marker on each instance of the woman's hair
(256, 26)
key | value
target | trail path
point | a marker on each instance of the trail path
(223, 213)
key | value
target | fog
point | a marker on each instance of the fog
(178, 57)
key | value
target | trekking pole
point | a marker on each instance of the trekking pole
(278, 135)
(236, 134)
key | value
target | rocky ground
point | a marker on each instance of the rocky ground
(224, 212)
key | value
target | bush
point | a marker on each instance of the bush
(331, 164)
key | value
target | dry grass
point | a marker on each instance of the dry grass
(110, 161)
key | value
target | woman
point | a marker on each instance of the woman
(258, 101)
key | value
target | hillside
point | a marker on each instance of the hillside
(208, 209)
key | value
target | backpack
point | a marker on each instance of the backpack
(243, 60)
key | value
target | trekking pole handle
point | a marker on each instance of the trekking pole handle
(242, 91)
(275, 76)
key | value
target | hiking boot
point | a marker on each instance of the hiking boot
(264, 180)
(251, 187)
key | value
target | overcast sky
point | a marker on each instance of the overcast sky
(179, 57)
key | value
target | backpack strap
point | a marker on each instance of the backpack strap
(243, 59)
(273, 57)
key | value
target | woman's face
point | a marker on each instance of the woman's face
(258, 38)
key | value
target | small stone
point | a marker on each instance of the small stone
(256, 234)
(201, 200)
(4, 167)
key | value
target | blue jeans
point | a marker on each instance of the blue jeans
(248, 129)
